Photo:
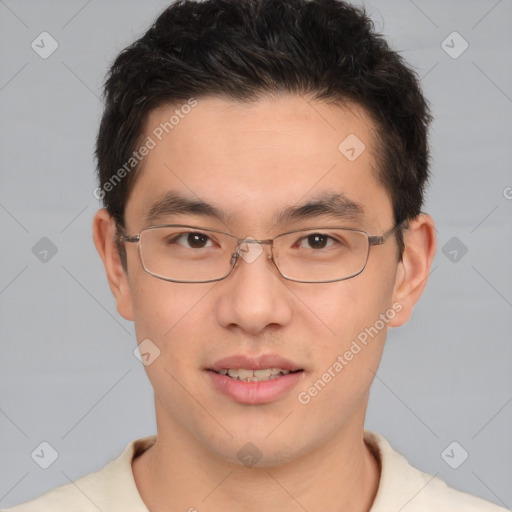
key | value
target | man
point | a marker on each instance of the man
(262, 165)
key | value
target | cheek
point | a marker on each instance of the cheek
(166, 312)
(149, 302)
(348, 307)
(352, 318)
(170, 316)
(347, 358)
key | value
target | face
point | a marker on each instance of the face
(251, 162)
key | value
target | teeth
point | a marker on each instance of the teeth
(262, 374)
(244, 374)
(254, 375)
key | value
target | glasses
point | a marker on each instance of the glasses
(192, 254)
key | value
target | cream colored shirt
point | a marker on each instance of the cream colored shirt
(401, 488)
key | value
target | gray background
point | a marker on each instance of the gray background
(68, 375)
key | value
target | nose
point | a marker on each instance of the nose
(253, 297)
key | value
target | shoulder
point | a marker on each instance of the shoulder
(404, 487)
(66, 497)
(112, 488)
(442, 498)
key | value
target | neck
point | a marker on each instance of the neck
(178, 473)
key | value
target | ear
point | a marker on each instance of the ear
(413, 270)
(104, 231)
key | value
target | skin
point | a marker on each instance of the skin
(251, 160)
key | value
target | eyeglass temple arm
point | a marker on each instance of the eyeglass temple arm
(380, 239)
(121, 237)
(125, 238)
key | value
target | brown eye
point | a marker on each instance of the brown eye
(316, 241)
(197, 240)
(190, 240)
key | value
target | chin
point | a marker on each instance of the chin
(258, 450)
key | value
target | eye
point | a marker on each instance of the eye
(194, 240)
(316, 241)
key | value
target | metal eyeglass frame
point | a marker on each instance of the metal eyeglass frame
(372, 240)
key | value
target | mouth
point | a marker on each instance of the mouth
(248, 375)
(255, 380)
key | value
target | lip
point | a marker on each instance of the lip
(254, 363)
(254, 393)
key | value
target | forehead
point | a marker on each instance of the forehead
(252, 160)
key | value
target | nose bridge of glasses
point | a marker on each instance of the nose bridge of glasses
(249, 249)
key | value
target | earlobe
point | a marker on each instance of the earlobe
(104, 229)
(413, 270)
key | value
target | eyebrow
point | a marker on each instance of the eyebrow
(175, 204)
(335, 205)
